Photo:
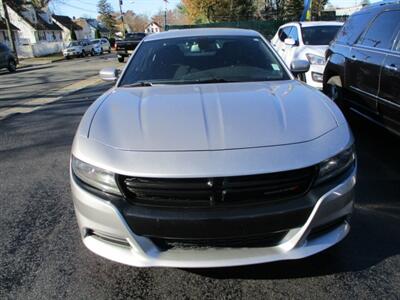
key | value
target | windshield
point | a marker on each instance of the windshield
(319, 35)
(73, 44)
(203, 60)
(93, 42)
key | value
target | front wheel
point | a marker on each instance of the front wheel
(121, 59)
(12, 66)
(92, 53)
(83, 54)
(109, 50)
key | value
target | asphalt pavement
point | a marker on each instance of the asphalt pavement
(42, 256)
(43, 80)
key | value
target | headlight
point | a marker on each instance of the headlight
(95, 177)
(315, 59)
(336, 165)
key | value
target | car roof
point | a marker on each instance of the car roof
(178, 33)
(380, 6)
(315, 23)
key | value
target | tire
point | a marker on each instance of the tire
(109, 50)
(92, 53)
(67, 57)
(83, 53)
(121, 59)
(11, 66)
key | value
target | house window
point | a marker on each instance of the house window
(54, 36)
(42, 35)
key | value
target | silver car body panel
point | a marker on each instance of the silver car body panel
(102, 217)
(209, 130)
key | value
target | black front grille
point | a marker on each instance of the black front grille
(218, 191)
(266, 240)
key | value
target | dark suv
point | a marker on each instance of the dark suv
(7, 58)
(363, 65)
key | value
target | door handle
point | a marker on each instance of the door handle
(392, 68)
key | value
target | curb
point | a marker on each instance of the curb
(40, 102)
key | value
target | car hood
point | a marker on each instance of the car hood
(211, 116)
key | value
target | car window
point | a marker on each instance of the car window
(353, 28)
(201, 59)
(294, 34)
(382, 31)
(396, 47)
(319, 35)
(73, 44)
(284, 33)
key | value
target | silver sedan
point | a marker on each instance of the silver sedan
(208, 152)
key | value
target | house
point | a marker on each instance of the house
(89, 28)
(38, 35)
(153, 27)
(4, 38)
(67, 25)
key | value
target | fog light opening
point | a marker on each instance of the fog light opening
(107, 238)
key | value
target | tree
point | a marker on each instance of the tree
(293, 9)
(218, 10)
(73, 35)
(317, 8)
(97, 34)
(106, 15)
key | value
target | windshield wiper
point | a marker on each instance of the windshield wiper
(138, 84)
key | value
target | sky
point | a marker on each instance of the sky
(87, 8)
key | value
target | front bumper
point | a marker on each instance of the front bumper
(105, 231)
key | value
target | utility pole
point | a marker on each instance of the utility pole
(165, 15)
(9, 29)
(122, 16)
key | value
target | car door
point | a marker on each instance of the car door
(280, 45)
(389, 92)
(363, 68)
(290, 50)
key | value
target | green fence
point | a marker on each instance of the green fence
(266, 28)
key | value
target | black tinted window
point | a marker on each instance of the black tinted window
(319, 35)
(354, 26)
(135, 36)
(382, 31)
(204, 59)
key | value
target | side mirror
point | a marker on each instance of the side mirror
(290, 42)
(109, 74)
(299, 67)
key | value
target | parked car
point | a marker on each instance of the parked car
(363, 69)
(103, 44)
(97, 49)
(127, 46)
(208, 153)
(7, 58)
(308, 41)
(78, 49)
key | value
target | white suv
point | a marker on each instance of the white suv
(306, 41)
